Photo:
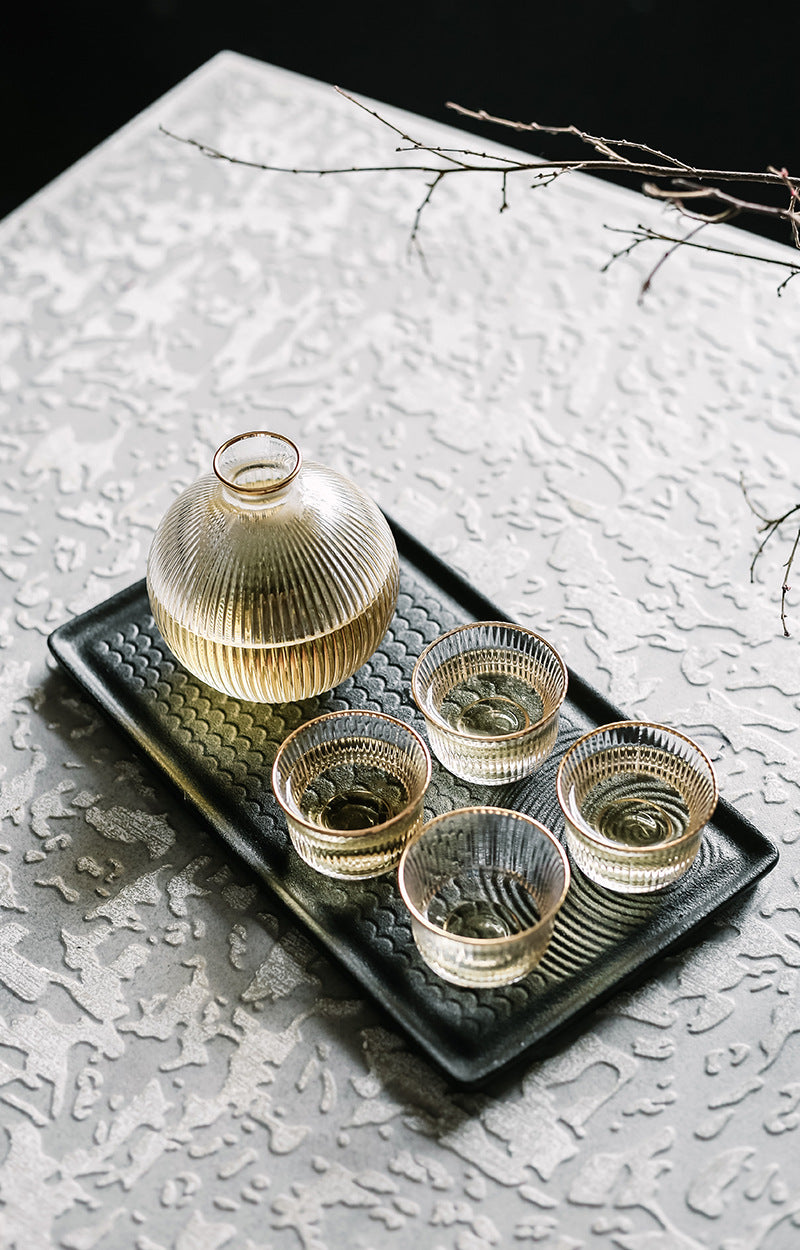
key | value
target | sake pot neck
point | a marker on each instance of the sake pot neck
(258, 469)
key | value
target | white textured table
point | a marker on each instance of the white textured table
(179, 1065)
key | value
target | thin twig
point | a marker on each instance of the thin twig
(680, 191)
(215, 154)
(513, 162)
(794, 201)
(645, 287)
(645, 234)
(596, 141)
(769, 527)
(415, 143)
(785, 588)
(413, 241)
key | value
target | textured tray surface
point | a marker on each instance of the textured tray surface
(219, 753)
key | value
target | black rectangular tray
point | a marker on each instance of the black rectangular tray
(219, 752)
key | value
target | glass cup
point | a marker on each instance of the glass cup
(351, 786)
(490, 693)
(483, 886)
(635, 798)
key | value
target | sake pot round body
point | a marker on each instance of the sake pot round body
(272, 579)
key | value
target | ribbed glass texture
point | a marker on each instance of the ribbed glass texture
(270, 579)
(635, 798)
(490, 694)
(483, 886)
(351, 785)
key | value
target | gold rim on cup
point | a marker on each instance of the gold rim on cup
(432, 713)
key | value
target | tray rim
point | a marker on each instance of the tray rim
(470, 1072)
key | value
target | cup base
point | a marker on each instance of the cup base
(618, 874)
(493, 763)
(340, 858)
(474, 976)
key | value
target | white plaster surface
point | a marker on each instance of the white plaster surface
(180, 1067)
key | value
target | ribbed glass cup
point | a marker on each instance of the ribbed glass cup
(351, 786)
(635, 798)
(483, 886)
(270, 579)
(490, 693)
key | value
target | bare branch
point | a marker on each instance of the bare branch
(785, 588)
(596, 141)
(415, 143)
(670, 250)
(794, 201)
(478, 156)
(681, 191)
(671, 164)
(645, 234)
(769, 527)
(504, 163)
(215, 154)
(414, 237)
(667, 178)
(783, 285)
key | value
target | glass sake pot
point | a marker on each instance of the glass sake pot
(270, 579)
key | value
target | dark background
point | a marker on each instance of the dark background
(693, 79)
